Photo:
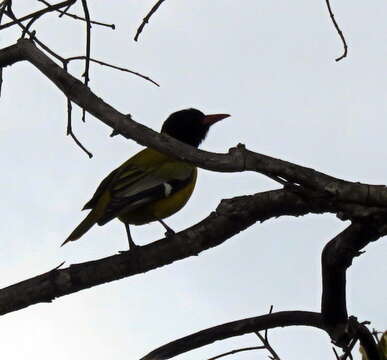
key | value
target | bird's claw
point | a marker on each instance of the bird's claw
(169, 233)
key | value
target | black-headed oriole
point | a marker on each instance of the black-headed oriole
(150, 186)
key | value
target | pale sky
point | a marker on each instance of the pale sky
(268, 63)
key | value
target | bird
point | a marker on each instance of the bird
(150, 186)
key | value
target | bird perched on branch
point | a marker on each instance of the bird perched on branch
(150, 186)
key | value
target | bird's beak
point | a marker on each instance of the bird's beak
(213, 118)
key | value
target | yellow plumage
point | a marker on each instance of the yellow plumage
(136, 192)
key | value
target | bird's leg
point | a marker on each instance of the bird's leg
(170, 231)
(132, 245)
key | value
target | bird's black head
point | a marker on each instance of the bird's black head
(190, 125)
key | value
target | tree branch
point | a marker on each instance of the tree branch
(336, 258)
(238, 159)
(231, 217)
(235, 328)
(147, 17)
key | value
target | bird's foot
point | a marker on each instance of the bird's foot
(169, 233)
(133, 248)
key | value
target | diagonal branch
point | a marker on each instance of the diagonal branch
(238, 159)
(231, 217)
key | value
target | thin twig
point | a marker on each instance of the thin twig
(38, 13)
(70, 130)
(88, 36)
(88, 44)
(266, 331)
(146, 18)
(69, 117)
(332, 16)
(49, 9)
(69, 123)
(348, 350)
(114, 67)
(3, 7)
(64, 12)
(268, 346)
(12, 16)
(236, 351)
(336, 354)
(76, 17)
(1, 79)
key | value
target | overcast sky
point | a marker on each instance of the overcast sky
(268, 63)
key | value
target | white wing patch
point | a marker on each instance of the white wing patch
(167, 189)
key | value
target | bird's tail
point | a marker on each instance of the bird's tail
(83, 227)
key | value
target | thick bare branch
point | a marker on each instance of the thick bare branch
(230, 217)
(235, 328)
(238, 159)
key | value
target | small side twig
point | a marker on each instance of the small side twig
(64, 12)
(69, 124)
(237, 351)
(348, 350)
(265, 341)
(37, 14)
(113, 67)
(1, 79)
(146, 18)
(266, 330)
(12, 16)
(3, 7)
(88, 44)
(88, 40)
(76, 17)
(332, 16)
(70, 130)
(336, 354)
(268, 347)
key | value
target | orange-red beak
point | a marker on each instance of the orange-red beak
(212, 119)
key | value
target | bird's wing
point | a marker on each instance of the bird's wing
(148, 176)
(132, 175)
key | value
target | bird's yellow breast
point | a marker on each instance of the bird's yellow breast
(163, 208)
